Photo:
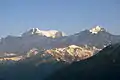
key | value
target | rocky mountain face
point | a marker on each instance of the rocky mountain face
(72, 53)
(35, 38)
(103, 66)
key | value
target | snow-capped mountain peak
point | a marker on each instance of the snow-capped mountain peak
(73, 46)
(49, 33)
(35, 30)
(96, 29)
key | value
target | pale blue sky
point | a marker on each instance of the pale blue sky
(69, 16)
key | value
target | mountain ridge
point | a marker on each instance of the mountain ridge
(22, 44)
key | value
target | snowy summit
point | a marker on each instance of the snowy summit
(73, 46)
(96, 30)
(49, 33)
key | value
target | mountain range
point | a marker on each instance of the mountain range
(35, 55)
(34, 38)
(86, 51)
